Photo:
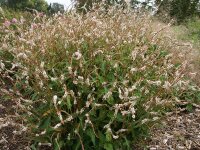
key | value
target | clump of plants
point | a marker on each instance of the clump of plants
(193, 34)
(94, 81)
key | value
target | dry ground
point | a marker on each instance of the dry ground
(180, 130)
(12, 131)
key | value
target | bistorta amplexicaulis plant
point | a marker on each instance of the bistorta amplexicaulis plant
(95, 81)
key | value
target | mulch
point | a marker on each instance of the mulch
(12, 130)
(179, 131)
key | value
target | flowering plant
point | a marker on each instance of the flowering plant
(94, 81)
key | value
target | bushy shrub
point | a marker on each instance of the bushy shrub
(94, 81)
(183, 9)
(193, 26)
(40, 5)
(7, 14)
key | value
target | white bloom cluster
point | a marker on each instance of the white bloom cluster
(2, 66)
(107, 95)
(158, 83)
(77, 55)
(125, 109)
(167, 85)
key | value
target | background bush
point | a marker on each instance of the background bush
(94, 81)
(40, 5)
(183, 9)
(193, 26)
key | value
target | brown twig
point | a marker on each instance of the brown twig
(80, 140)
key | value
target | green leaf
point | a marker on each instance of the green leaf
(77, 146)
(189, 107)
(163, 53)
(101, 137)
(119, 117)
(69, 105)
(108, 136)
(103, 67)
(91, 134)
(45, 123)
(34, 96)
(108, 146)
(100, 79)
(127, 143)
(33, 147)
(110, 100)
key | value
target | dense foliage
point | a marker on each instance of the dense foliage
(183, 9)
(193, 26)
(168, 9)
(180, 10)
(94, 81)
(85, 5)
(40, 5)
(55, 8)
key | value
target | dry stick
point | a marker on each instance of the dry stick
(197, 143)
(156, 33)
(80, 141)
(178, 43)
